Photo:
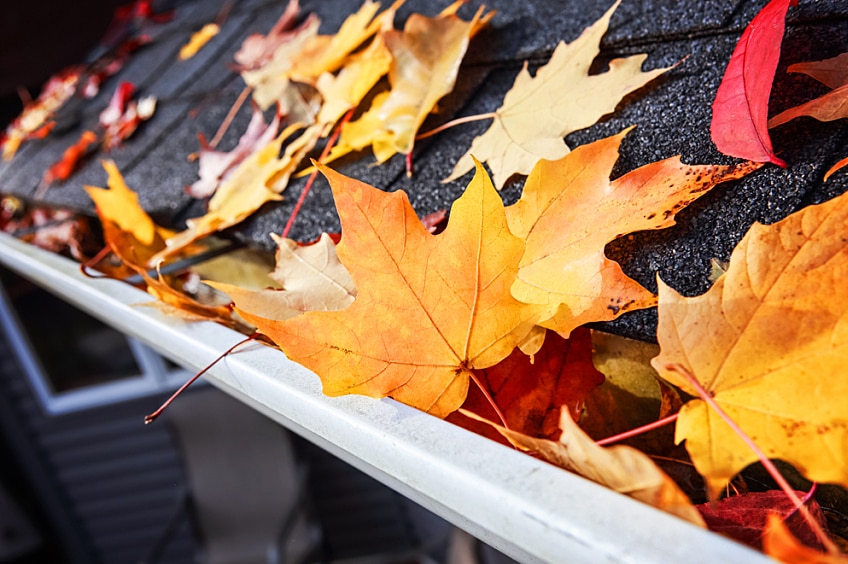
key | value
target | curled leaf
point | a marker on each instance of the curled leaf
(621, 468)
(740, 109)
(311, 278)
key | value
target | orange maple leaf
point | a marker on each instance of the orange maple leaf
(429, 308)
(570, 210)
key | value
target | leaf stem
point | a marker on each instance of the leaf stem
(311, 180)
(457, 121)
(489, 397)
(230, 117)
(153, 416)
(95, 260)
(764, 460)
(638, 430)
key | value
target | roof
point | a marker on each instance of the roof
(672, 116)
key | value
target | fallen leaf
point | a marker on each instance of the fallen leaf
(58, 231)
(311, 278)
(174, 302)
(829, 107)
(538, 112)
(781, 544)
(429, 308)
(257, 49)
(831, 72)
(768, 341)
(123, 115)
(740, 109)
(65, 167)
(568, 212)
(197, 40)
(743, 517)
(630, 395)
(245, 267)
(839, 165)
(119, 205)
(131, 234)
(435, 222)
(327, 53)
(217, 166)
(425, 61)
(530, 391)
(34, 121)
(620, 468)
(270, 80)
(346, 90)
(260, 178)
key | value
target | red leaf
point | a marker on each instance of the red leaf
(743, 517)
(740, 110)
(530, 394)
(65, 167)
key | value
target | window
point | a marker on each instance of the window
(72, 360)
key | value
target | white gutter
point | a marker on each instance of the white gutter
(526, 508)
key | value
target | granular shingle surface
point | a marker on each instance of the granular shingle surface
(672, 116)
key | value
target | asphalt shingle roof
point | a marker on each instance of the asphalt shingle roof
(672, 116)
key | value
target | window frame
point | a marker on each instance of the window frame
(155, 376)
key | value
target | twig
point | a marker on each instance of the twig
(230, 117)
(453, 122)
(311, 180)
(638, 430)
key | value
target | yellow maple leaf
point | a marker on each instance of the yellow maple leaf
(260, 178)
(358, 76)
(119, 205)
(568, 212)
(328, 53)
(620, 468)
(425, 62)
(768, 341)
(305, 56)
(429, 308)
(538, 112)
